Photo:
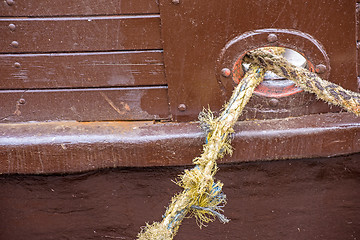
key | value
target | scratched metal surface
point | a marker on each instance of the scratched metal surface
(63, 147)
(206, 27)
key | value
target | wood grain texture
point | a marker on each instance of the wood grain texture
(80, 34)
(83, 7)
(307, 199)
(74, 70)
(358, 20)
(95, 104)
(358, 67)
(358, 40)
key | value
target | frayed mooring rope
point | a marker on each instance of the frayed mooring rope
(202, 196)
(303, 78)
(155, 231)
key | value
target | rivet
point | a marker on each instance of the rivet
(12, 26)
(175, 1)
(225, 72)
(274, 102)
(17, 65)
(10, 2)
(358, 45)
(14, 44)
(182, 107)
(320, 68)
(272, 38)
(22, 101)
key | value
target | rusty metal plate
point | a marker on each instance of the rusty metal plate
(74, 70)
(74, 34)
(196, 32)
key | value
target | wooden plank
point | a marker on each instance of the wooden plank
(80, 34)
(67, 70)
(358, 21)
(71, 8)
(358, 65)
(307, 199)
(96, 104)
(358, 39)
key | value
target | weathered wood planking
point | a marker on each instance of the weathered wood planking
(70, 8)
(80, 34)
(68, 70)
(358, 20)
(358, 66)
(95, 104)
(308, 199)
(358, 39)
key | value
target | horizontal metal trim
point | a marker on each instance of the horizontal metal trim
(63, 147)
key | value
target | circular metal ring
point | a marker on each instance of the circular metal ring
(232, 54)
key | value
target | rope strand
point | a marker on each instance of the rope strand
(303, 78)
(202, 196)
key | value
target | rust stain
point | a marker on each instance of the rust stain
(126, 106)
(17, 111)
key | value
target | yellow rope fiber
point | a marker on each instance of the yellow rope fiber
(303, 78)
(202, 196)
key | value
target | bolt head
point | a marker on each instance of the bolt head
(320, 68)
(12, 27)
(22, 101)
(10, 2)
(17, 65)
(14, 44)
(175, 1)
(272, 38)
(225, 72)
(274, 102)
(182, 107)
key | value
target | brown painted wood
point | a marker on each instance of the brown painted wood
(71, 8)
(80, 34)
(358, 65)
(63, 147)
(308, 199)
(96, 104)
(358, 39)
(73, 70)
(195, 33)
(358, 20)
